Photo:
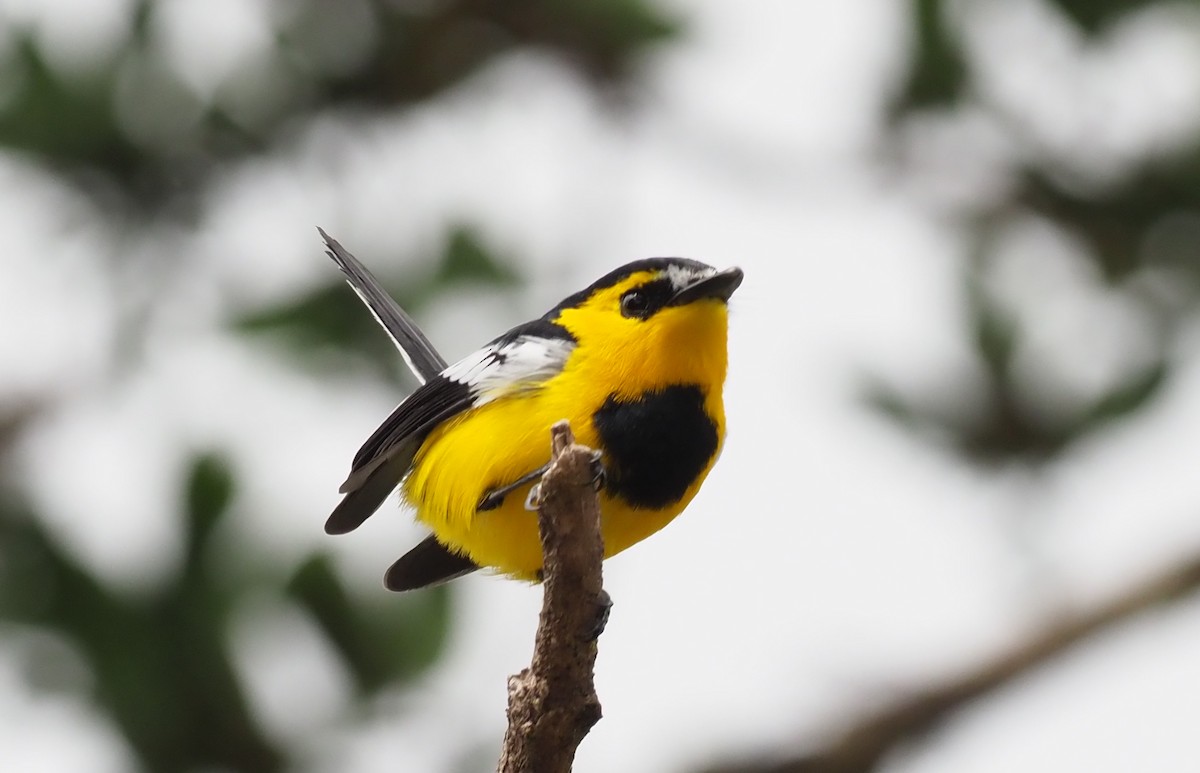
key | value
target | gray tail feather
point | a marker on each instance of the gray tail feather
(424, 360)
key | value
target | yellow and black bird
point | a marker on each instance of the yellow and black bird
(635, 362)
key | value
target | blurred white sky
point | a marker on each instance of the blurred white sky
(829, 558)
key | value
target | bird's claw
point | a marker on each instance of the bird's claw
(599, 471)
(534, 499)
(602, 612)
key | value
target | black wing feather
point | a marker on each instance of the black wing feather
(432, 402)
(365, 498)
(388, 454)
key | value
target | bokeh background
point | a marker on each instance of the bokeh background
(955, 527)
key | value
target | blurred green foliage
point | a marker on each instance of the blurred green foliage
(159, 661)
(1119, 222)
(381, 639)
(146, 130)
(1093, 15)
(937, 73)
(143, 142)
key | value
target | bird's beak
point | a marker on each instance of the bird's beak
(720, 286)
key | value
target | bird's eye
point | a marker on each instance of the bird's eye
(634, 304)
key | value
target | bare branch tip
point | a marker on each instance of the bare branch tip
(561, 437)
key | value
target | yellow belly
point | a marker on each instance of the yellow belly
(497, 443)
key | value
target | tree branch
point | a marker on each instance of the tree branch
(864, 745)
(552, 704)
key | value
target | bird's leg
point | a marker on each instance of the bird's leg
(495, 497)
(599, 476)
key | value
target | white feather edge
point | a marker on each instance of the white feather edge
(500, 369)
(400, 347)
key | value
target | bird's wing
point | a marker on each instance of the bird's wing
(517, 361)
(386, 457)
(418, 353)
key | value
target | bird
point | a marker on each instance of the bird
(635, 362)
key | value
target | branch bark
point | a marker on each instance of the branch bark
(862, 747)
(553, 704)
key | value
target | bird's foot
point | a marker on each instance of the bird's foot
(599, 471)
(599, 476)
(603, 609)
(534, 499)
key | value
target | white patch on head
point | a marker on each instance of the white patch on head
(497, 370)
(683, 276)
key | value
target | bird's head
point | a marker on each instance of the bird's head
(664, 317)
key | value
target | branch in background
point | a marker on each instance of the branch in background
(552, 704)
(863, 746)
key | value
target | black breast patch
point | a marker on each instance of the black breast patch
(656, 444)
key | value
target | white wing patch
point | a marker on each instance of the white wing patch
(497, 370)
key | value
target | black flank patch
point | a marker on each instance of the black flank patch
(655, 445)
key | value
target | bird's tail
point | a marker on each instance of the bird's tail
(419, 354)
